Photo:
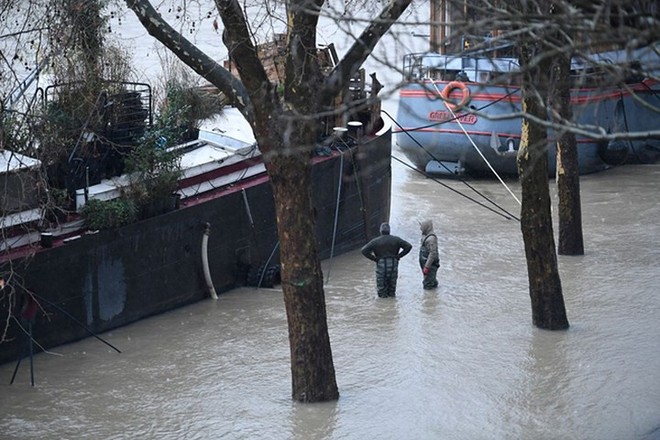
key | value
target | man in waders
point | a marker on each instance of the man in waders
(386, 250)
(429, 259)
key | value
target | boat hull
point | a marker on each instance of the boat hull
(429, 133)
(110, 278)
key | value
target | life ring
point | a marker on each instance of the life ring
(465, 99)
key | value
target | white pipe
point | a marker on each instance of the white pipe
(205, 261)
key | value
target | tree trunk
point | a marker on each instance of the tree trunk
(568, 176)
(548, 310)
(312, 368)
(285, 127)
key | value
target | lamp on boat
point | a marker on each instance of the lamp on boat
(46, 239)
(339, 132)
(355, 129)
(508, 147)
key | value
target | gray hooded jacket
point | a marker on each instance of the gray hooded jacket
(428, 250)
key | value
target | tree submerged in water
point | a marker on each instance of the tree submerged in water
(285, 119)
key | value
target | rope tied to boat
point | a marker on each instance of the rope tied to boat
(334, 226)
(506, 214)
(450, 107)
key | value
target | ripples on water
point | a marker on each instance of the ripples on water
(463, 362)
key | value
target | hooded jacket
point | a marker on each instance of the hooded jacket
(428, 250)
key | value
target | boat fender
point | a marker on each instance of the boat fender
(614, 152)
(507, 148)
(264, 276)
(465, 99)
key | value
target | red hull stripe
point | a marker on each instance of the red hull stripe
(471, 133)
(580, 96)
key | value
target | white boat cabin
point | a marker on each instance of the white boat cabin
(479, 67)
(206, 157)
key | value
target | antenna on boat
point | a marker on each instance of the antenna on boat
(340, 132)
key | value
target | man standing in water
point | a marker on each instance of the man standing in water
(429, 259)
(386, 250)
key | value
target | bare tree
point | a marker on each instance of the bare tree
(571, 241)
(611, 24)
(548, 35)
(285, 127)
(546, 50)
(548, 310)
(60, 38)
(284, 120)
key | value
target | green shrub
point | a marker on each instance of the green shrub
(109, 214)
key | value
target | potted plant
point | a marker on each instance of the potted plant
(108, 214)
(154, 168)
(187, 100)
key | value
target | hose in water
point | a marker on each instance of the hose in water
(270, 257)
(205, 260)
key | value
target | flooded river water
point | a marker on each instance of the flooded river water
(461, 362)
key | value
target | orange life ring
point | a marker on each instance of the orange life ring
(465, 99)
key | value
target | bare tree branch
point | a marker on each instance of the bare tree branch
(363, 46)
(192, 56)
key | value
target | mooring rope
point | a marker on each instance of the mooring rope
(508, 214)
(334, 228)
(458, 121)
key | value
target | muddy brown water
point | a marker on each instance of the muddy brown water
(460, 362)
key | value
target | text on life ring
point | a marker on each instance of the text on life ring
(465, 98)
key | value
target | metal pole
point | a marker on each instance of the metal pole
(31, 353)
(18, 363)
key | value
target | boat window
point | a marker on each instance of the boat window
(633, 73)
(505, 78)
(442, 75)
(462, 76)
(450, 75)
(413, 67)
(590, 77)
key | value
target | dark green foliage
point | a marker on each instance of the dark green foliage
(109, 214)
(155, 166)
(187, 107)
